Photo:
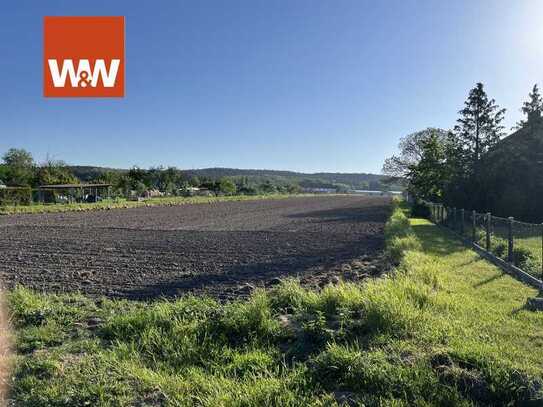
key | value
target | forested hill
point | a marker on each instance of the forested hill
(324, 179)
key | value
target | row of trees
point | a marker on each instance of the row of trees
(19, 169)
(173, 181)
(453, 166)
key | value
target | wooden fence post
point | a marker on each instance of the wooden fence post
(454, 219)
(462, 222)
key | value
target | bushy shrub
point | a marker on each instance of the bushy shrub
(524, 259)
(15, 196)
(480, 236)
(499, 247)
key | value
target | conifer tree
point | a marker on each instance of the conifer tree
(531, 108)
(479, 127)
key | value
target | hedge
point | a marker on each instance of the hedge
(15, 196)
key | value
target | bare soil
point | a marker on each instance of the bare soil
(221, 249)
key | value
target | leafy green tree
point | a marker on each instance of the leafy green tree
(4, 173)
(479, 127)
(195, 181)
(124, 185)
(268, 188)
(226, 186)
(531, 108)
(411, 150)
(428, 176)
(140, 188)
(110, 177)
(20, 167)
(137, 176)
(55, 172)
(293, 189)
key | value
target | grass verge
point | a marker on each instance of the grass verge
(124, 204)
(447, 329)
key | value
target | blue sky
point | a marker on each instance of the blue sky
(291, 84)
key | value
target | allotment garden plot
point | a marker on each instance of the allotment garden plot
(222, 249)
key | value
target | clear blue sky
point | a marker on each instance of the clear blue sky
(291, 84)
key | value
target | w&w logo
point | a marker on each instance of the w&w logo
(84, 76)
(83, 57)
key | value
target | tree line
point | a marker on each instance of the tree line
(18, 169)
(471, 166)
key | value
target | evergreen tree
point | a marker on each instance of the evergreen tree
(479, 127)
(531, 108)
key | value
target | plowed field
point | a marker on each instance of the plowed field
(222, 249)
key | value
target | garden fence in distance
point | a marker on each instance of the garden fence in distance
(517, 243)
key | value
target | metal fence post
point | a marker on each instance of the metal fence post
(510, 238)
(462, 222)
(488, 224)
(473, 226)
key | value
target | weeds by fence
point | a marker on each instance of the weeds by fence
(517, 243)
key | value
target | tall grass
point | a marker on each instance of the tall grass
(399, 234)
(5, 365)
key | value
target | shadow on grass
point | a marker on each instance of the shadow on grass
(490, 279)
(469, 262)
(437, 241)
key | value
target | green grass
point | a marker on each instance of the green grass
(527, 241)
(123, 203)
(445, 329)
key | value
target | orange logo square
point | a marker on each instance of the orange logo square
(83, 57)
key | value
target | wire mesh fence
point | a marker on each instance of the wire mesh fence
(518, 243)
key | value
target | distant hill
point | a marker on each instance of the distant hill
(322, 179)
